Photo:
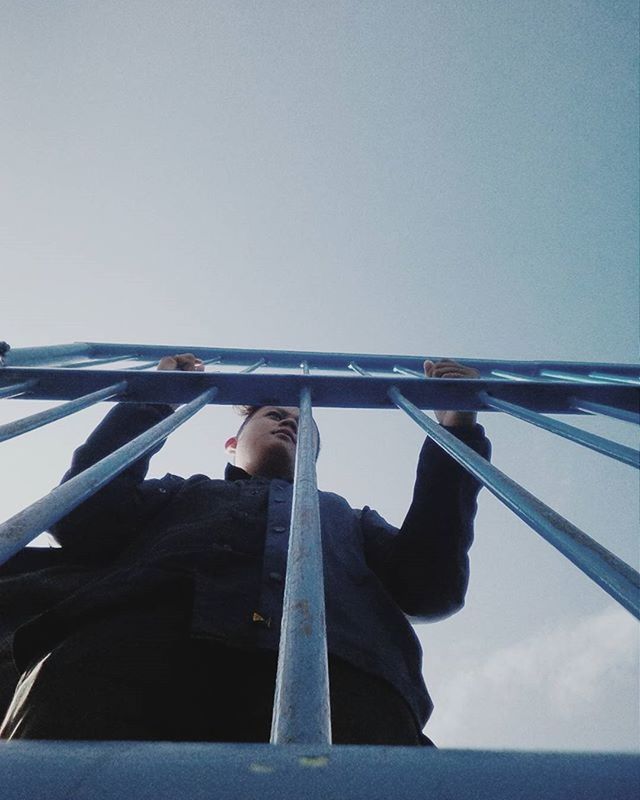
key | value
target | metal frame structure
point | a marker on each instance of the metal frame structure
(83, 374)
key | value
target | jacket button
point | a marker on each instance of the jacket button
(279, 528)
(258, 619)
(276, 577)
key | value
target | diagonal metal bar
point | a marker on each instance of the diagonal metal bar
(598, 443)
(20, 426)
(606, 411)
(358, 369)
(301, 710)
(603, 376)
(95, 361)
(24, 526)
(567, 376)
(260, 362)
(144, 365)
(404, 371)
(612, 574)
(17, 388)
(512, 376)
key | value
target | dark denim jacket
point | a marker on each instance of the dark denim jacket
(223, 544)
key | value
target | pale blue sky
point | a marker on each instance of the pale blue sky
(443, 178)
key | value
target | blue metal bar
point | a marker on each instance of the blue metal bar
(614, 378)
(94, 362)
(404, 371)
(144, 365)
(358, 369)
(253, 367)
(32, 356)
(338, 391)
(611, 573)
(512, 376)
(20, 426)
(292, 358)
(24, 526)
(598, 443)
(606, 411)
(17, 388)
(71, 770)
(301, 711)
(566, 376)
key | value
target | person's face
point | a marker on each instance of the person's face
(266, 445)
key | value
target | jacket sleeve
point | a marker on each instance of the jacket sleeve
(424, 565)
(100, 526)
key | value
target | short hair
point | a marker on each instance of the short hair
(248, 411)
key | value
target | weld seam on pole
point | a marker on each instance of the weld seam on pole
(612, 574)
(627, 455)
(20, 426)
(301, 709)
(24, 526)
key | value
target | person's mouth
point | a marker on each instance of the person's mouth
(289, 434)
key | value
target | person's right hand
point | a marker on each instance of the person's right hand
(186, 362)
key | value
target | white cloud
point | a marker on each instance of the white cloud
(557, 689)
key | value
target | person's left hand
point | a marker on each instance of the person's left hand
(452, 369)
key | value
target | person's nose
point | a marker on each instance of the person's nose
(291, 423)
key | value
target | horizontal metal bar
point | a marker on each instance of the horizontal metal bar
(606, 411)
(30, 356)
(24, 526)
(330, 391)
(618, 579)
(17, 388)
(93, 362)
(598, 443)
(301, 711)
(20, 426)
(70, 770)
(614, 378)
(321, 360)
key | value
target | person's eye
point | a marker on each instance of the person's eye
(274, 414)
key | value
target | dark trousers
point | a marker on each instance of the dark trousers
(127, 682)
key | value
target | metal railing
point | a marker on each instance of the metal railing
(524, 389)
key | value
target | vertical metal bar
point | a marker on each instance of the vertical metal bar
(598, 443)
(606, 411)
(17, 388)
(618, 579)
(603, 376)
(24, 526)
(301, 710)
(255, 366)
(19, 426)
(304, 367)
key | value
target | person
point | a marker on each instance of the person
(172, 627)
